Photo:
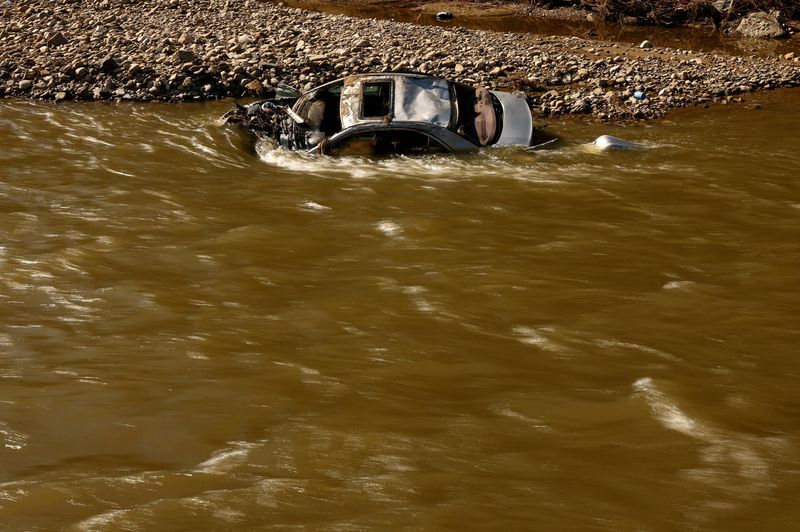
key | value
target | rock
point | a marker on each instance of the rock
(245, 39)
(444, 15)
(646, 45)
(184, 55)
(8, 4)
(25, 85)
(57, 40)
(61, 96)
(81, 71)
(255, 87)
(109, 65)
(761, 26)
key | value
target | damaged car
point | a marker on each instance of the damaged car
(389, 114)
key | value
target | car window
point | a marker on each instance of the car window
(386, 142)
(362, 144)
(376, 99)
(410, 142)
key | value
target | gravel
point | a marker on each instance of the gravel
(193, 50)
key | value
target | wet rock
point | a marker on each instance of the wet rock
(25, 85)
(761, 26)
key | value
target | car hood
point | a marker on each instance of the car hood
(517, 120)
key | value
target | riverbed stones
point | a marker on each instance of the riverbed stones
(761, 26)
(219, 49)
(57, 40)
(108, 64)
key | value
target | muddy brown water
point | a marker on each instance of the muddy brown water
(194, 336)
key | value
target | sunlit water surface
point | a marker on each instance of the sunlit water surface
(198, 336)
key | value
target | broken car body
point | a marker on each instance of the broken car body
(390, 114)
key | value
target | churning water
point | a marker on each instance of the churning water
(199, 334)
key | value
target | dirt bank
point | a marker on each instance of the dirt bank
(191, 50)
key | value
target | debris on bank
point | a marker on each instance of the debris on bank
(192, 50)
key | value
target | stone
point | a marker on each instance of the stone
(256, 87)
(57, 40)
(761, 26)
(25, 85)
(109, 65)
(8, 4)
(184, 55)
(646, 45)
(61, 96)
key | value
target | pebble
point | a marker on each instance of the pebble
(241, 48)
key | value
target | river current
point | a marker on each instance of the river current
(197, 335)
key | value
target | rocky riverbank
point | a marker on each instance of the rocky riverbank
(193, 50)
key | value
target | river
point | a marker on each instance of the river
(198, 336)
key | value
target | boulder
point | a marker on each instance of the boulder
(761, 26)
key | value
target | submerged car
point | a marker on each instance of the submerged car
(389, 114)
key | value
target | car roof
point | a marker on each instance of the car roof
(413, 98)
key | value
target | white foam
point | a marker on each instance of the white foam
(735, 461)
(390, 229)
(535, 337)
(314, 206)
(226, 459)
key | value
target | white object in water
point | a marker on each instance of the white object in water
(609, 142)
